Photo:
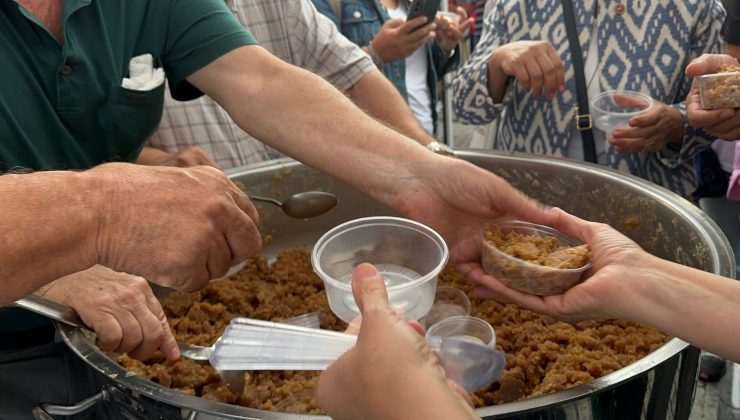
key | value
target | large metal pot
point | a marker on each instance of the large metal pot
(659, 386)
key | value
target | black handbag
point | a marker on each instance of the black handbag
(584, 121)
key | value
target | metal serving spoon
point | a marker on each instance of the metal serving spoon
(303, 205)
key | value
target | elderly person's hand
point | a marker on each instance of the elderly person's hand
(179, 237)
(120, 308)
(722, 123)
(615, 257)
(192, 156)
(450, 34)
(391, 373)
(649, 132)
(398, 39)
(457, 199)
(535, 65)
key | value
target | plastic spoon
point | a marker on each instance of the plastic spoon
(303, 205)
(249, 344)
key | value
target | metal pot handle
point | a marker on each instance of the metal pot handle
(47, 411)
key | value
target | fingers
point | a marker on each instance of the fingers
(536, 77)
(220, 259)
(421, 36)
(709, 63)
(368, 289)
(410, 25)
(550, 83)
(559, 70)
(729, 129)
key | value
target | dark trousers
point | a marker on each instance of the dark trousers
(46, 373)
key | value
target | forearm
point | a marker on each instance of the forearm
(379, 98)
(49, 229)
(696, 306)
(303, 116)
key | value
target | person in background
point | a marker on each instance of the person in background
(83, 85)
(200, 132)
(525, 79)
(413, 54)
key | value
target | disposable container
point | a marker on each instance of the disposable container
(614, 108)
(465, 328)
(526, 276)
(448, 301)
(409, 256)
(720, 90)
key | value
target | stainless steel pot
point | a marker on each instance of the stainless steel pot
(658, 386)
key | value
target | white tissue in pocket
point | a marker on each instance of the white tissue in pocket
(142, 74)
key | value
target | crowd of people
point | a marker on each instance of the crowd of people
(109, 111)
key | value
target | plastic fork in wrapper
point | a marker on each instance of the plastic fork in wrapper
(249, 344)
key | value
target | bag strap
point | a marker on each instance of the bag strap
(337, 6)
(584, 122)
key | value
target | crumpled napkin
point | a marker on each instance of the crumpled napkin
(142, 74)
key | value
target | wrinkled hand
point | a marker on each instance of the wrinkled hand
(458, 199)
(448, 36)
(649, 132)
(535, 64)
(192, 156)
(175, 227)
(397, 38)
(615, 257)
(722, 123)
(120, 308)
(391, 361)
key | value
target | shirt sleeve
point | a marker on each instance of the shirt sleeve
(198, 32)
(320, 48)
(471, 101)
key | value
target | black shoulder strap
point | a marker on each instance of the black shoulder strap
(584, 122)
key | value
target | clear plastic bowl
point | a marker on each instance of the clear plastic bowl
(464, 328)
(448, 301)
(719, 90)
(526, 276)
(408, 255)
(614, 108)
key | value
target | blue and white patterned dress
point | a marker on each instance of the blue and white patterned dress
(645, 49)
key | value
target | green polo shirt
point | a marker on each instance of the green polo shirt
(62, 105)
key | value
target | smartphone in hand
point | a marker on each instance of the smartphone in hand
(426, 8)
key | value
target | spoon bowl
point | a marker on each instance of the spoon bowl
(303, 205)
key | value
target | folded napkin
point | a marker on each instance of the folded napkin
(142, 74)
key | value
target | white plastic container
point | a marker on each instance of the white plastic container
(408, 254)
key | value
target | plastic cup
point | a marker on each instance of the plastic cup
(444, 19)
(464, 328)
(408, 255)
(448, 301)
(526, 276)
(614, 108)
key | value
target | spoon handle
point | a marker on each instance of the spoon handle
(265, 199)
(50, 309)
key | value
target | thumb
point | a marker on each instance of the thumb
(368, 288)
